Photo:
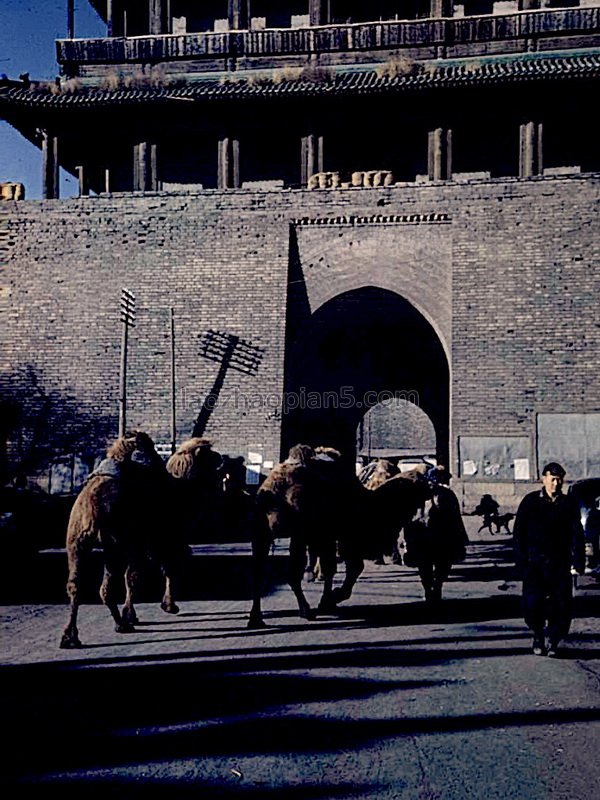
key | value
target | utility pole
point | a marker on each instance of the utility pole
(128, 320)
(173, 406)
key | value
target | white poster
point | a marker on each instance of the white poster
(521, 466)
(469, 467)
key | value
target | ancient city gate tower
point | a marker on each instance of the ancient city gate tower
(335, 203)
(369, 322)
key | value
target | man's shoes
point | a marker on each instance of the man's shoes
(539, 646)
(553, 649)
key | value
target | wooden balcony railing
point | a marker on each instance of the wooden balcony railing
(331, 39)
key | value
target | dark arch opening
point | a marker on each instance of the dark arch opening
(360, 348)
(396, 428)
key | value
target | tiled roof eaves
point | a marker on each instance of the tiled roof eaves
(347, 83)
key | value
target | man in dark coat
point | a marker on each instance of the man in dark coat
(549, 541)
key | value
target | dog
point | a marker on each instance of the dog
(502, 521)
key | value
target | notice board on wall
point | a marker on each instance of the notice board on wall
(503, 458)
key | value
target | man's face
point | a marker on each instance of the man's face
(552, 484)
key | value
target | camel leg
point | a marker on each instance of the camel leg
(261, 545)
(128, 613)
(295, 573)
(441, 571)
(311, 570)
(70, 636)
(108, 595)
(426, 574)
(168, 604)
(328, 562)
(354, 567)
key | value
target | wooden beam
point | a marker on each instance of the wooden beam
(238, 14)
(441, 8)
(319, 12)
(141, 167)
(156, 17)
(439, 154)
(153, 168)
(228, 168)
(70, 19)
(109, 18)
(311, 157)
(531, 159)
(82, 180)
(50, 170)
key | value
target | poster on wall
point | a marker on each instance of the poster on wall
(522, 472)
(494, 457)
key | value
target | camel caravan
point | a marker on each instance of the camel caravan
(137, 510)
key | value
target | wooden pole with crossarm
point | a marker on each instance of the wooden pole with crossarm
(128, 320)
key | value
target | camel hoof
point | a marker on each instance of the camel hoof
(130, 619)
(327, 607)
(124, 627)
(339, 595)
(308, 613)
(170, 608)
(256, 623)
(70, 643)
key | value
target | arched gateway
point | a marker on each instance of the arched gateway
(362, 348)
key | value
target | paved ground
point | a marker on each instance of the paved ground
(385, 700)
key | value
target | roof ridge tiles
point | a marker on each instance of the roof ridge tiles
(468, 72)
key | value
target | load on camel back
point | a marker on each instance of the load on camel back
(329, 513)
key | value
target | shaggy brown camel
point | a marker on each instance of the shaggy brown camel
(119, 509)
(314, 499)
(286, 508)
(376, 517)
(429, 515)
(372, 476)
(197, 489)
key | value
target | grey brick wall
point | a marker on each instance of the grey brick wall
(506, 272)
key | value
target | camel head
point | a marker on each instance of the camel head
(300, 455)
(384, 469)
(134, 445)
(193, 458)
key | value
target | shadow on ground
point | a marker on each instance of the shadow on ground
(73, 717)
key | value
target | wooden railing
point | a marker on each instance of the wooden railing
(330, 39)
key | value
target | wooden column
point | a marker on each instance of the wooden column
(531, 160)
(238, 14)
(50, 173)
(319, 12)
(441, 8)
(157, 17)
(228, 167)
(439, 154)
(145, 172)
(311, 157)
(109, 18)
(70, 19)
(82, 179)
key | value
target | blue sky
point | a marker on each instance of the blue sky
(28, 31)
